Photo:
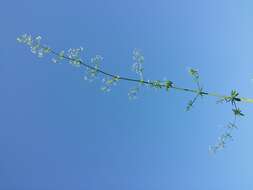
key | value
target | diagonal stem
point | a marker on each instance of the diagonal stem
(238, 99)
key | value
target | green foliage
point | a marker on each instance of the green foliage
(168, 84)
(233, 98)
(194, 73)
(237, 112)
(190, 104)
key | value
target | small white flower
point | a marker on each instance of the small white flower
(54, 60)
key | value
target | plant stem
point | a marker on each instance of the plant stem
(239, 99)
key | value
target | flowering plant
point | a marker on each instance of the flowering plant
(94, 71)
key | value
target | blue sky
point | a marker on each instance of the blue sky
(59, 132)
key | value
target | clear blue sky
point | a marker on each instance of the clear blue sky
(58, 132)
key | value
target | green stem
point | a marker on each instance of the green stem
(239, 99)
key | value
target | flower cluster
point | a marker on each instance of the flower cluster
(138, 59)
(227, 135)
(34, 44)
(109, 82)
(137, 67)
(92, 73)
(132, 94)
(224, 138)
(74, 56)
(156, 84)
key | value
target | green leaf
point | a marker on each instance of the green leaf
(194, 73)
(168, 84)
(189, 105)
(237, 112)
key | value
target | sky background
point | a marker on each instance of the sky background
(59, 132)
